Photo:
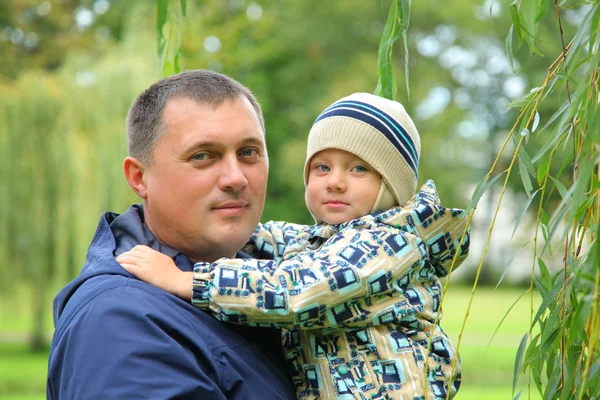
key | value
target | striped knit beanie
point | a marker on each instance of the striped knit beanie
(379, 131)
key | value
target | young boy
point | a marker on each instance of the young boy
(357, 294)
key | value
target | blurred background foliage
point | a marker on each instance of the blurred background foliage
(70, 69)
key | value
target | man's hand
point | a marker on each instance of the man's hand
(157, 269)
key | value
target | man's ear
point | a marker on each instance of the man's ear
(134, 172)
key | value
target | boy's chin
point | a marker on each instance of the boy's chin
(335, 220)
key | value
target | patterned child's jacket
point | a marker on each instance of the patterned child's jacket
(358, 301)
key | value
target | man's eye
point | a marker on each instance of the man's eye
(323, 168)
(250, 152)
(200, 156)
(359, 168)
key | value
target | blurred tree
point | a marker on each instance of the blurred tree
(38, 34)
(92, 58)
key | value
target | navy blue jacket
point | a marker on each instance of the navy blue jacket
(117, 337)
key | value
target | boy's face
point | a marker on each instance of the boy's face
(341, 186)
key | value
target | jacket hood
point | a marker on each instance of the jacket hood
(440, 228)
(114, 235)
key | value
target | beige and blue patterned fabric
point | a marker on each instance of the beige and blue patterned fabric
(357, 301)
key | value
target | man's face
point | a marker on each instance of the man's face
(205, 190)
(341, 186)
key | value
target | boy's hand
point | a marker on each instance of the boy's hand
(157, 269)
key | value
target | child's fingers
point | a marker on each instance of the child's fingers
(142, 248)
(124, 257)
(132, 268)
(132, 259)
(132, 255)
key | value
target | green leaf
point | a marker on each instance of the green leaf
(480, 189)
(183, 4)
(176, 68)
(396, 25)
(544, 273)
(569, 383)
(523, 211)
(531, 354)
(558, 217)
(384, 57)
(594, 22)
(405, 39)
(527, 161)
(519, 360)
(529, 14)
(162, 12)
(583, 207)
(404, 14)
(543, 169)
(546, 301)
(525, 176)
(509, 48)
(516, 20)
(597, 245)
(593, 375)
(551, 335)
(521, 101)
(168, 68)
(536, 122)
(581, 39)
(552, 384)
(543, 7)
(564, 193)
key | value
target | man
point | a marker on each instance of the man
(198, 160)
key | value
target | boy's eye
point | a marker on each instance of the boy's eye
(359, 168)
(323, 168)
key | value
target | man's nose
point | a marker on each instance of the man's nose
(232, 175)
(336, 181)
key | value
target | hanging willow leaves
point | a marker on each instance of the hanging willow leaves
(519, 360)
(560, 360)
(396, 25)
(484, 184)
(509, 48)
(168, 17)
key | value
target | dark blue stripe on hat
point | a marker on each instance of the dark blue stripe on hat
(393, 131)
(392, 121)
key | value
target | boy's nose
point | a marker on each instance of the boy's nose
(336, 182)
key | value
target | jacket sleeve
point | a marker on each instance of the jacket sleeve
(271, 239)
(441, 229)
(117, 347)
(335, 285)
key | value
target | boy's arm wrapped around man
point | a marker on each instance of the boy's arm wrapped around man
(270, 240)
(344, 283)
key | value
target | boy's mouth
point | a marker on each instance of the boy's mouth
(336, 204)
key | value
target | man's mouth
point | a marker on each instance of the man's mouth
(231, 208)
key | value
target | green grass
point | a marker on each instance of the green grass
(22, 373)
(488, 364)
(487, 370)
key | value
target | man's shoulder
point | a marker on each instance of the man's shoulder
(138, 308)
(107, 292)
(119, 300)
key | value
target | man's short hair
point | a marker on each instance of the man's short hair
(145, 124)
